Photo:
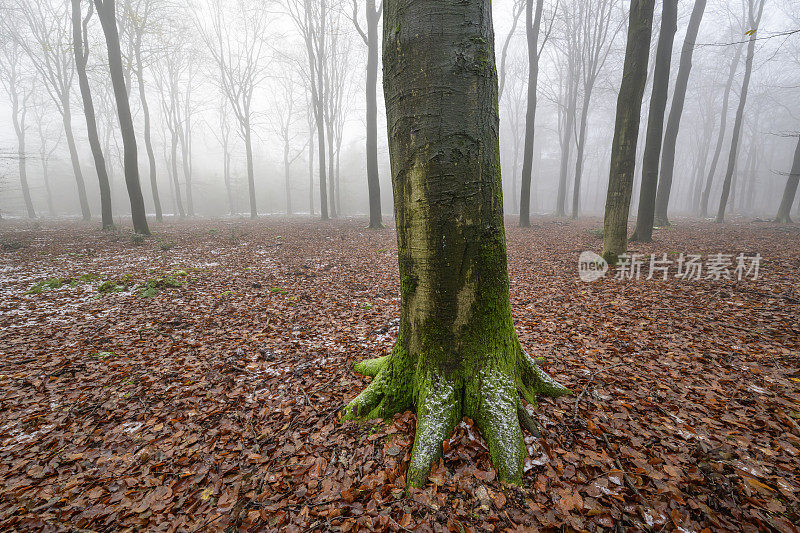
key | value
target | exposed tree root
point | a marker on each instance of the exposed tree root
(492, 397)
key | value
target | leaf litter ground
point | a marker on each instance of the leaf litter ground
(192, 382)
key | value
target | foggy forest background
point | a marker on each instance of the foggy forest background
(172, 56)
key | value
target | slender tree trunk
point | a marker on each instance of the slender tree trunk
(566, 141)
(46, 177)
(151, 157)
(754, 19)
(675, 113)
(73, 156)
(311, 174)
(286, 177)
(457, 354)
(721, 138)
(184, 138)
(175, 182)
(226, 170)
(330, 175)
(783, 216)
(373, 181)
(655, 123)
(581, 145)
(18, 118)
(251, 180)
(504, 52)
(533, 22)
(107, 13)
(81, 53)
(626, 130)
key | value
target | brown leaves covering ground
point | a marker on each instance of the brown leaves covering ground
(213, 405)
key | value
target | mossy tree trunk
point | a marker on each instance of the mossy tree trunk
(626, 130)
(457, 354)
(791, 189)
(655, 123)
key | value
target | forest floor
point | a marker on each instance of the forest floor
(192, 382)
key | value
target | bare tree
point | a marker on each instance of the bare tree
(721, 134)
(222, 132)
(19, 89)
(626, 130)
(655, 122)
(310, 17)
(533, 23)
(42, 29)
(286, 116)
(755, 8)
(49, 142)
(106, 12)
(675, 113)
(516, 12)
(783, 216)
(140, 17)
(80, 40)
(372, 16)
(240, 57)
(598, 29)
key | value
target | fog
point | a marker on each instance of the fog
(187, 47)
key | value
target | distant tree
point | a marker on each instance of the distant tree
(372, 15)
(533, 24)
(723, 121)
(655, 122)
(626, 130)
(516, 11)
(598, 29)
(80, 46)
(755, 8)
(457, 354)
(19, 89)
(311, 19)
(42, 29)
(49, 141)
(675, 113)
(286, 114)
(514, 101)
(140, 17)
(106, 12)
(791, 188)
(222, 132)
(241, 60)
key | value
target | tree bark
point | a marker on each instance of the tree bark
(754, 18)
(81, 53)
(655, 122)
(784, 211)
(723, 121)
(626, 130)
(533, 23)
(675, 113)
(106, 11)
(457, 353)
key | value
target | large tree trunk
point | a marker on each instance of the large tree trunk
(81, 52)
(626, 130)
(73, 156)
(655, 123)
(532, 24)
(106, 11)
(723, 121)
(675, 113)
(754, 16)
(373, 181)
(783, 216)
(151, 157)
(457, 354)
